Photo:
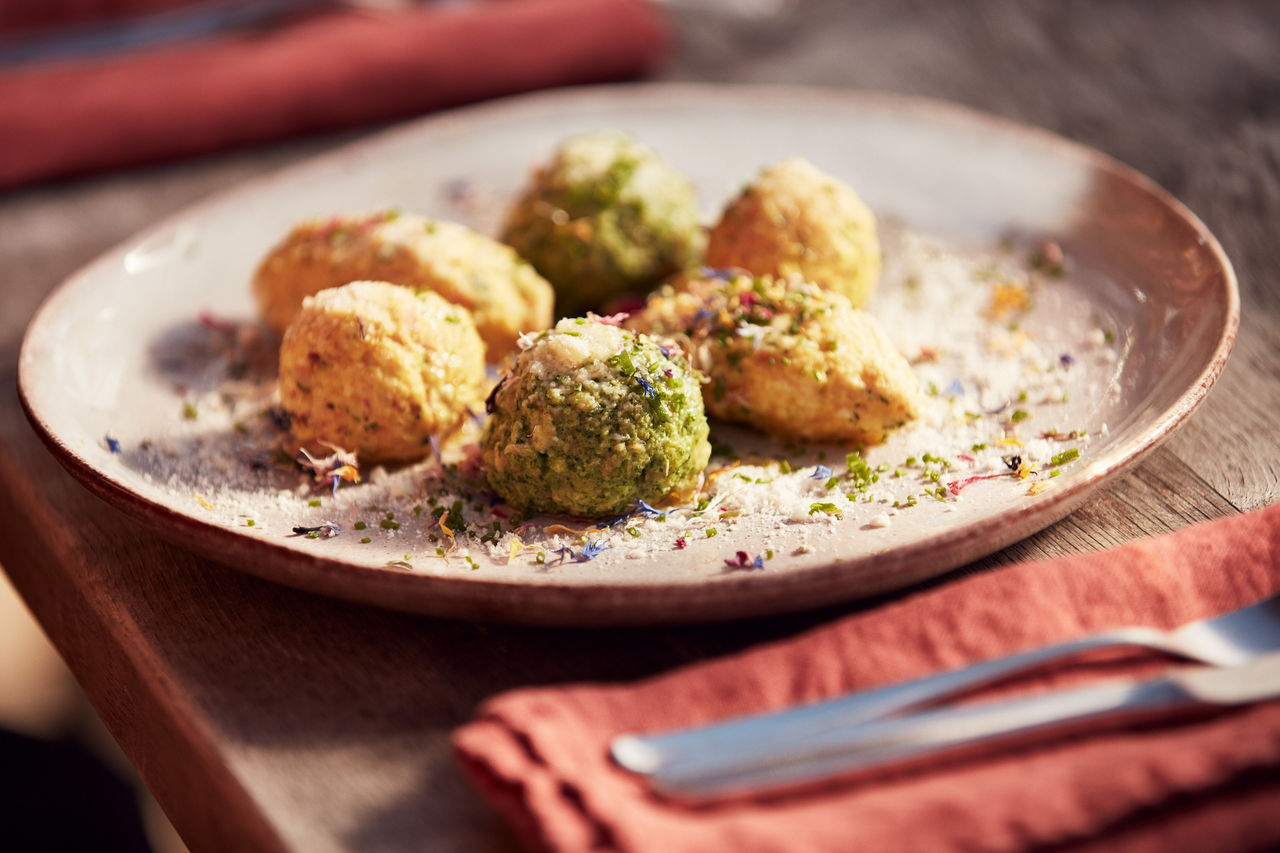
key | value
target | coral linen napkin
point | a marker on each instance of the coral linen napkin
(1209, 783)
(320, 72)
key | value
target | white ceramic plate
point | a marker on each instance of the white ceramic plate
(1146, 319)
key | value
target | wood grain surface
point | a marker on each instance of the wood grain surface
(268, 719)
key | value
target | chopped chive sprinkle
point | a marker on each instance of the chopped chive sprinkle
(711, 531)
(359, 525)
(1019, 415)
(1065, 456)
(313, 502)
(388, 524)
(365, 540)
(250, 523)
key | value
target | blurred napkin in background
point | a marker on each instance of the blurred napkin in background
(1207, 783)
(319, 66)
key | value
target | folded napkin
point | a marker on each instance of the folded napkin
(540, 755)
(320, 72)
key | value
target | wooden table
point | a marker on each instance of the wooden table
(268, 719)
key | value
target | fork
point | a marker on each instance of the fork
(1230, 639)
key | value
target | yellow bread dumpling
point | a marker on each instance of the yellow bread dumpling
(505, 295)
(796, 219)
(787, 357)
(378, 369)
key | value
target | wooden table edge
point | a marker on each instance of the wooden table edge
(187, 776)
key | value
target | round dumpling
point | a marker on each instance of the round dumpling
(378, 369)
(591, 419)
(504, 294)
(796, 219)
(787, 357)
(606, 216)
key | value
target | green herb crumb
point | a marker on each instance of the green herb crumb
(1065, 456)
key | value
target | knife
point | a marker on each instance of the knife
(153, 29)
(951, 731)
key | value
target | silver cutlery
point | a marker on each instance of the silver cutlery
(1231, 639)
(954, 730)
(154, 29)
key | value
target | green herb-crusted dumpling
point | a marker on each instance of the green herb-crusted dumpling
(605, 216)
(796, 219)
(591, 419)
(378, 369)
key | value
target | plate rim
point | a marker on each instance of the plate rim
(473, 595)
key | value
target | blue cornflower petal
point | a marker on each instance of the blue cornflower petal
(592, 550)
